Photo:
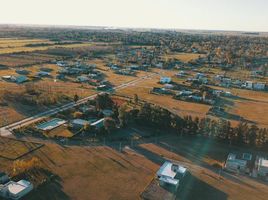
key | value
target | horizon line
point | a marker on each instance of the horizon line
(125, 27)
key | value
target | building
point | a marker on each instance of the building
(248, 85)
(236, 164)
(21, 79)
(171, 174)
(165, 80)
(259, 86)
(261, 165)
(52, 124)
(79, 123)
(15, 190)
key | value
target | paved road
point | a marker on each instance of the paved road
(7, 130)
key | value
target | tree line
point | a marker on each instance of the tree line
(222, 130)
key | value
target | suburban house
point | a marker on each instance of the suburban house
(16, 79)
(165, 80)
(238, 163)
(261, 165)
(19, 79)
(171, 174)
(15, 190)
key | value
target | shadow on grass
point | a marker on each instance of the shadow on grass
(47, 185)
(193, 188)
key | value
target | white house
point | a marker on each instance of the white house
(171, 174)
(248, 85)
(15, 190)
(165, 80)
(261, 165)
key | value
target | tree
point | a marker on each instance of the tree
(144, 115)
(104, 101)
(86, 128)
(253, 135)
(123, 115)
(76, 98)
(241, 131)
(109, 124)
(136, 99)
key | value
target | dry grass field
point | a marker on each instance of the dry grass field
(8, 46)
(12, 149)
(26, 59)
(92, 173)
(184, 57)
(183, 108)
(85, 173)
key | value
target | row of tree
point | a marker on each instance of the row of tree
(159, 118)
(162, 119)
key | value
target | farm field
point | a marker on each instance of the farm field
(8, 46)
(25, 59)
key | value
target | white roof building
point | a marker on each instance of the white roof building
(171, 174)
(262, 166)
(15, 190)
(165, 79)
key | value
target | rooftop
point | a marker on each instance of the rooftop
(167, 170)
(264, 163)
(17, 187)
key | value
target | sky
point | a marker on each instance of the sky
(240, 15)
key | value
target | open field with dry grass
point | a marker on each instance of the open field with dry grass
(27, 59)
(8, 46)
(249, 104)
(12, 149)
(93, 173)
(184, 57)
(182, 108)
(87, 173)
